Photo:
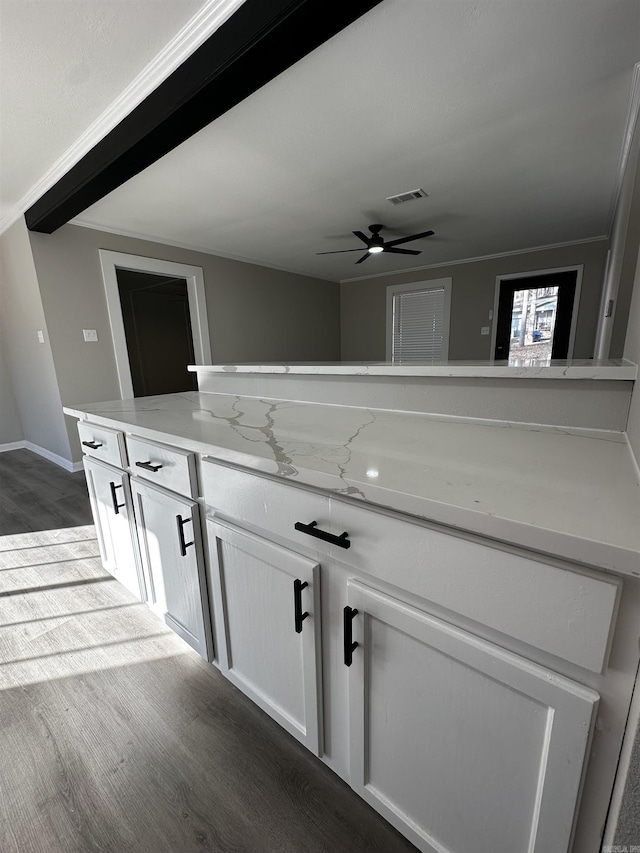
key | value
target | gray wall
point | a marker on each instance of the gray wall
(29, 363)
(255, 313)
(628, 315)
(632, 352)
(631, 237)
(628, 818)
(10, 426)
(363, 303)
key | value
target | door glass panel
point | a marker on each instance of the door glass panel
(533, 319)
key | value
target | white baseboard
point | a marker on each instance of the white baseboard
(67, 464)
(12, 445)
(73, 467)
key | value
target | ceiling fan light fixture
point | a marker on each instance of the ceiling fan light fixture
(375, 244)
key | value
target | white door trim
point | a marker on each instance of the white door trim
(577, 268)
(194, 276)
(426, 284)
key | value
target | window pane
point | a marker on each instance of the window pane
(418, 325)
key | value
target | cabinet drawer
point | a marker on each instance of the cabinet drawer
(170, 467)
(264, 505)
(103, 443)
(567, 612)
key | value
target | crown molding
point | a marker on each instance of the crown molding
(148, 238)
(479, 258)
(195, 32)
(631, 123)
(136, 235)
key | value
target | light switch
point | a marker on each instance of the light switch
(491, 313)
(90, 334)
(484, 330)
(40, 335)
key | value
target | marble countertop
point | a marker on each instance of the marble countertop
(578, 369)
(566, 492)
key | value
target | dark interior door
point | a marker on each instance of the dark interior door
(157, 325)
(566, 284)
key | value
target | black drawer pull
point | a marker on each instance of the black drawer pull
(299, 616)
(183, 545)
(92, 444)
(114, 498)
(312, 529)
(349, 646)
(148, 466)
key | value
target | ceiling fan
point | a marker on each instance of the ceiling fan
(375, 244)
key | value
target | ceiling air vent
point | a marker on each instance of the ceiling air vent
(410, 196)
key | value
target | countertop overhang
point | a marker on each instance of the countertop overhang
(571, 493)
(620, 369)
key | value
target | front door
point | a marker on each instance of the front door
(534, 317)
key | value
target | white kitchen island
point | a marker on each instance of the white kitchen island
(444, 609)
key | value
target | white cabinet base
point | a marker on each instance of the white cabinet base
(257, 589)
(461, 745)
(111, 505)
(171, 549)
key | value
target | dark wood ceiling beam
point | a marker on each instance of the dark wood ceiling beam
(261, 40)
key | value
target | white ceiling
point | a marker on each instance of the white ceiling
(62, 63)
(509, 113)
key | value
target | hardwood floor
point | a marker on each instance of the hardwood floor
(36, 494)
(115, 736)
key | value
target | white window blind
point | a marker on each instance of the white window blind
(418, 325)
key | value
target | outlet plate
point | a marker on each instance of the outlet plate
(90, 335)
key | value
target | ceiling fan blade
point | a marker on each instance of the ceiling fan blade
(402, 251)
(364, 257)
(409, 239)
(338, 251)
(362, 237)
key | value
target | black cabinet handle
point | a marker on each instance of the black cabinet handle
(92, 444)
(114, 497)
(299, 616)
(312, 529)
(183, 545)
(148, 466)
(349, 646)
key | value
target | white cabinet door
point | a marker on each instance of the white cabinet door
(267, 606)
(171, 548)
(464, 747)
(111, 505)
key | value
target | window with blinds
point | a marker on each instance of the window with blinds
(418, 325)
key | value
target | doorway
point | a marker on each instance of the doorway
(536, 316)
(157, 328)
(141, 314)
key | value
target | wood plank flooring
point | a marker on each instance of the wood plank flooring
(36, 494)
(115, 736)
